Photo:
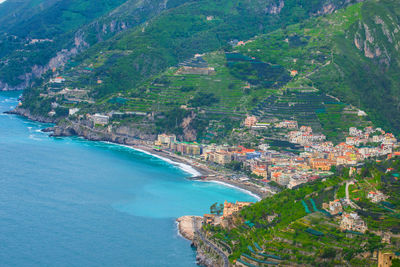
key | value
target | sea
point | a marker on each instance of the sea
(72, 202)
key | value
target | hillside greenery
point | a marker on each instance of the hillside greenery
(177, 34)
(288, 235)
(142, 67)
(58, 23)
(351, 54)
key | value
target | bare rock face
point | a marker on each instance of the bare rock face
(189, 134)
(186, 226)
(57, 61)
(27, 114)
(120, 135)
(275, 8)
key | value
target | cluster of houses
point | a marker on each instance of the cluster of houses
(269, 165)
(286, 168)
(376, 196)
(305, 136)
(333, 207)
(352, 222)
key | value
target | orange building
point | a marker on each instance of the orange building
(250, 121)
(321, 164)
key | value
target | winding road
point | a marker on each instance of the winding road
(216, 249)
(351, 203)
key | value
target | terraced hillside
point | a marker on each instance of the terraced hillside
(352, 54)
(286, 73)
(292, 228)
(188, 28)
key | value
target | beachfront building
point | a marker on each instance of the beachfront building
(165, 139)
(260, 171)
(219, 157)
(186, 148)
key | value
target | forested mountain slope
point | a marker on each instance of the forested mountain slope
(350, 53)
(194, 27)
(36, 36)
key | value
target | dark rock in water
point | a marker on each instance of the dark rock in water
(48, 130)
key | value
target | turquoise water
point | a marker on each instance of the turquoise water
(71, 202)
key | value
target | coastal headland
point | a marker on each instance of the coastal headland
(187, 225)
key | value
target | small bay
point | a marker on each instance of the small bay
(72, 202)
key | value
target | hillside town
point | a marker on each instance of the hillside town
(289, 169)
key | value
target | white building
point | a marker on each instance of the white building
(72, 111)
(166, 139)
(100, 119)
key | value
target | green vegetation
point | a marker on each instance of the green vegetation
(341, 54)
(302, 233)
(179, 33)
(54, 22)
(217, 208)
(143, 65)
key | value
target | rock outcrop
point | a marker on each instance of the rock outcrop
(27, 114)
(187, 224)
(190, 228)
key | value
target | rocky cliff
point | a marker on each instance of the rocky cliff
(190, 228)
(27, 114)
(117, 134)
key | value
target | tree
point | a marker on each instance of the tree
(328, 253)
(396, 263)
(217, 209)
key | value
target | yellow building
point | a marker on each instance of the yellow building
(385, 259)
(260, 172)
(165, 139)
(230, 208)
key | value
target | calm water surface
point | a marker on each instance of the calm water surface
(71, 202)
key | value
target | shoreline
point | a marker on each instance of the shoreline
(187, 165)
(256, 196)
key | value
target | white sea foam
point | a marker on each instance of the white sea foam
(237, 188)
(33, 137)
(184, 167)
(177, 229)
(189, 169)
